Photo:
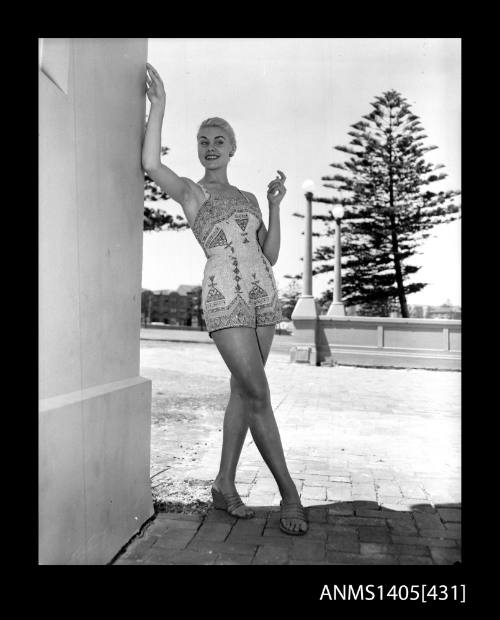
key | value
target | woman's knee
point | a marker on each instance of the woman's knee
(257, 397)
(256, 394)
(236, 387)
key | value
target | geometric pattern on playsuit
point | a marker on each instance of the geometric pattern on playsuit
(242, 222)
(219, 239)
(214, 294)
(237, 277)
(256, 292)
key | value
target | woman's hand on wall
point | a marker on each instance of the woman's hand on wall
(155, 90)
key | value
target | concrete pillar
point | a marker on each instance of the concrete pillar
(307, 276)
(95, 409)
(337, 307)
(305, 314)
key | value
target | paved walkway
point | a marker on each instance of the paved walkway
(375, 454)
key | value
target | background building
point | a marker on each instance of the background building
(444, 311)
(174, 307)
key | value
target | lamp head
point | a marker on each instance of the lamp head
(338, 212)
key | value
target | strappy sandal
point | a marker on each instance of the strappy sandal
(229, 502)
(292, 511)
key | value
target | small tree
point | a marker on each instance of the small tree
(289, 297)
(158, 219)
(146, 299)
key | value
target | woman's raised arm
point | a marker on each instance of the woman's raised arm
(175, 186)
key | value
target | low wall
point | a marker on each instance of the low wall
(380, 341)
(189, 328)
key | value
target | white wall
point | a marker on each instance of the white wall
(94, 424)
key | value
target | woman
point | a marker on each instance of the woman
(239, 296)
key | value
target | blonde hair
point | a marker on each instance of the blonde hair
(215, 121)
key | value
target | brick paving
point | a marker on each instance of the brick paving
(375, 454)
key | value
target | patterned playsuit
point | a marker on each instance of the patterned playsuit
(238, 289)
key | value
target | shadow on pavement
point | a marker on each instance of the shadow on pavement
(340, 533)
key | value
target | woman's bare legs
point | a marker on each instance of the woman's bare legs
(233, 437)
(236, 425)
(239, 348)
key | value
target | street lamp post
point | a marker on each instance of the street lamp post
(337, 307)
(305, 313)
(306, 304)
(308, 247)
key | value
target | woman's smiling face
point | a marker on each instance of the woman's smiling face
(214, 147)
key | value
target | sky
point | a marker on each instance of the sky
(290, 101)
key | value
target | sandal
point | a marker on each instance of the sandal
(292, 511)
(229, 502)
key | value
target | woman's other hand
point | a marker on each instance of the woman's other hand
(276, 190)
(154, 86)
